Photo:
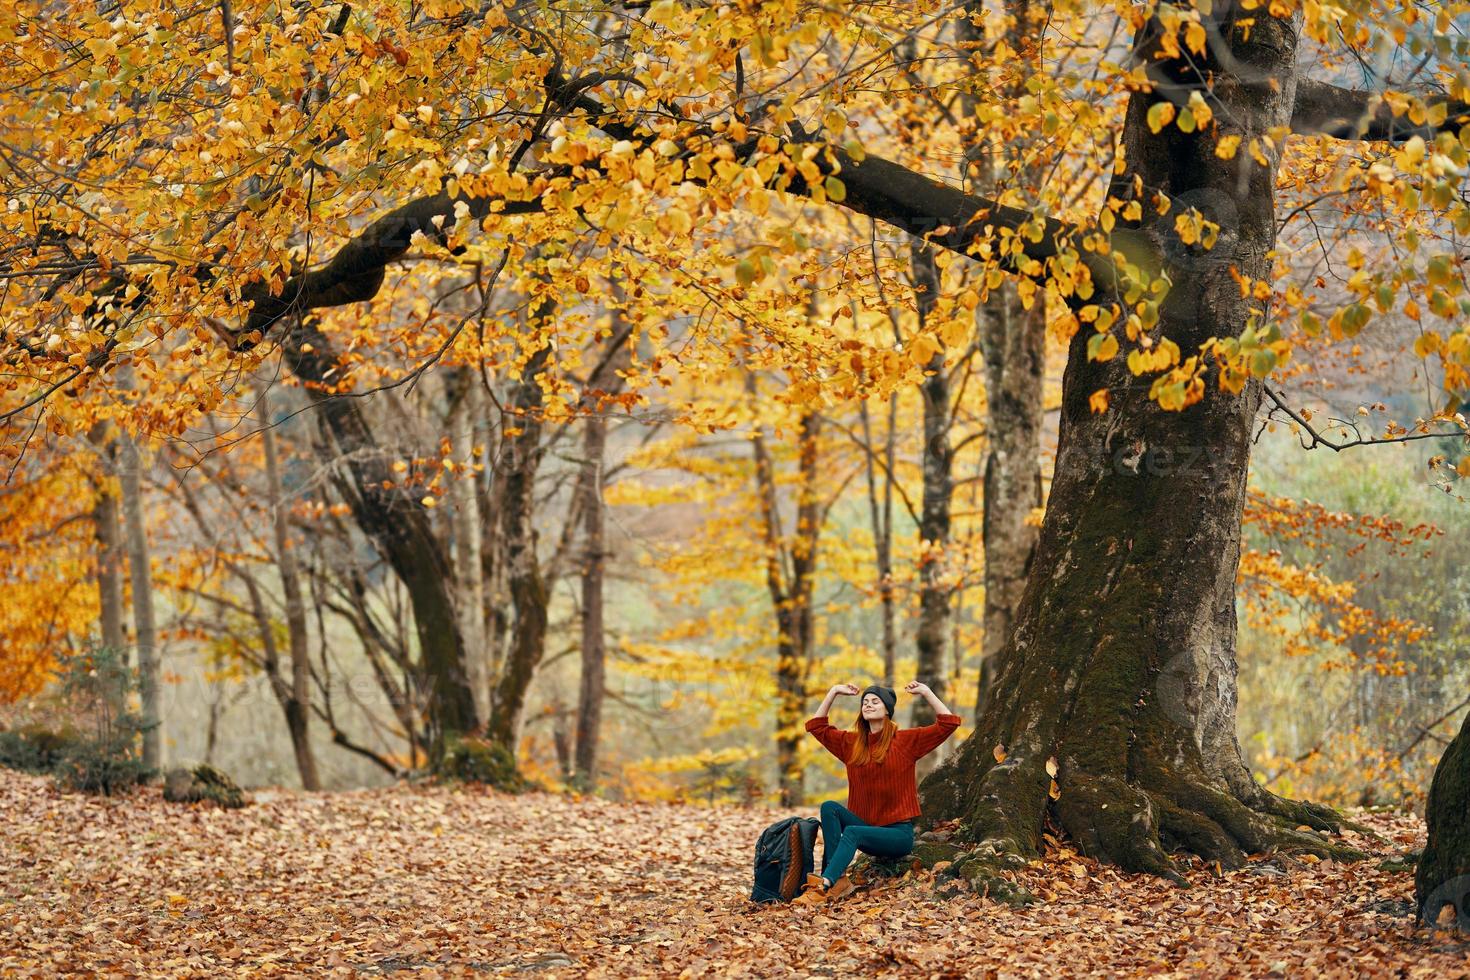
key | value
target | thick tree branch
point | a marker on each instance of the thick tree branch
(878, 188)
(355, 272)
(1349, 114)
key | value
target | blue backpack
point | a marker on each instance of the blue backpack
(783, 858)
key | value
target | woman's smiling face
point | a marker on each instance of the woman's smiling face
(873, 708)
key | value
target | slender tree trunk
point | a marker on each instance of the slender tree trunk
(594, 647)
(881, 514)
(466, 408)
(296, 702)
(605, 378)
(107, 521)
(109, 571)
(110, 556)
(937, 460)
(1121, 666)
(1443, 876)
(140, 575)
(790, 579)
(561, 737)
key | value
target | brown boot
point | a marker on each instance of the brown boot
(841, 887)
(814, 892)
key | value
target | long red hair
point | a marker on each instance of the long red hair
(867, 747)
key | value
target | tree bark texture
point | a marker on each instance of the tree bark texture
(1443, 876)
(1121, 666)
(466, 406)
(880, 512)
(1013, 344)
(140, 576)
(516, 469)
(936, 462)
(790, 579)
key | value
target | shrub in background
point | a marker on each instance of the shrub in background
(471, 759)
(104, 757)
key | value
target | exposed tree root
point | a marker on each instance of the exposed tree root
(1111, 820)
(1133, 822)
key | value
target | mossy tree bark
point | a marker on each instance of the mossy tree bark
(1122, 662)
(1443, 877)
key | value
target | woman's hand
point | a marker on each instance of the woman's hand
(922, 690)
(845, 689)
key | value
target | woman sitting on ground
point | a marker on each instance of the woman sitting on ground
(882, 795)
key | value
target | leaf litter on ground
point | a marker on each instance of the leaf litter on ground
(434, 880)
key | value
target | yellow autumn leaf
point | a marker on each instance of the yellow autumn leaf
(1102, 347)
(922, 349)
(1160, 114)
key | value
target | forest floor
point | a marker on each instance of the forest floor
(426, 881)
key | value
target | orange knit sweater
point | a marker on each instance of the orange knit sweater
(886, 792)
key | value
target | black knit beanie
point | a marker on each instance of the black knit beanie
(885, 694)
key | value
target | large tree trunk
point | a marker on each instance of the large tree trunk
(936, 462)
(1443, 877)
(295, 701)
(140, 575)
(1122, 662)
(393, 519)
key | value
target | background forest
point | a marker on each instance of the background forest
(1352, 599)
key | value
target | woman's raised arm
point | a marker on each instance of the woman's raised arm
(837, 689)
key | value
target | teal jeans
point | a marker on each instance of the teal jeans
(844, 833)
